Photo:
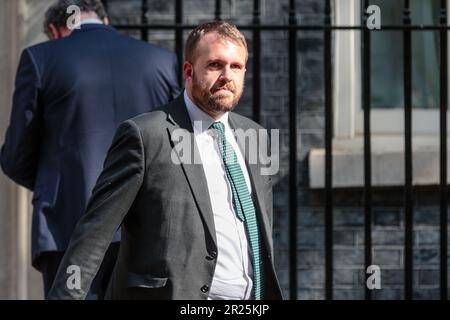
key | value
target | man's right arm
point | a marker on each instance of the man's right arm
(112, 198)
(19, 155)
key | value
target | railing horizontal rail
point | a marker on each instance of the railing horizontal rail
(275, 27)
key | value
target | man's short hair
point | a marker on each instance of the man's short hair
(57, 13)
(224, 29)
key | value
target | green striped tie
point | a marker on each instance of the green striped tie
(243, 205)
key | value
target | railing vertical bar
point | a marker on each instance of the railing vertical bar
(408, 207)
(443, 82)
(292, 152)
(218, 10)
(144, 20)
(328, 157)
(256, 63)
(367, 150)
(179, 37)
(105, 4)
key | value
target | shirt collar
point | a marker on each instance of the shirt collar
(200, 120)
(88, 21)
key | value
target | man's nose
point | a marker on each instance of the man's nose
(226, 74)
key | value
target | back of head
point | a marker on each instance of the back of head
(57, 14)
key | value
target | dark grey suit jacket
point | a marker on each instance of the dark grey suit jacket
(168, 248)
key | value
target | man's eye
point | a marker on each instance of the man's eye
(214, 64)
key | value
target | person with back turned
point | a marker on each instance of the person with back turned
(71, 94)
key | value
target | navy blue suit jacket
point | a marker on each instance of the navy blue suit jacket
(70, 96)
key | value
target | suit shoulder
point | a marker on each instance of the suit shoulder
(42, 48)
(247, 122)
(152, 119)
(155, 121)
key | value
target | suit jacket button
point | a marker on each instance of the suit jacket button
(212, 256)
(204, 289)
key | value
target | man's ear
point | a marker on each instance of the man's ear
(58, 32)
(105, 21)
(54, 31)
(188, 70)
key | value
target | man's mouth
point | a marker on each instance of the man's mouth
(223, 89)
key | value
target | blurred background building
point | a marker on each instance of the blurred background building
(303, 250)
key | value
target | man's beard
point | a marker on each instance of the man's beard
(214, 100)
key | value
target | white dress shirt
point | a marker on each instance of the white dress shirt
(233, 274)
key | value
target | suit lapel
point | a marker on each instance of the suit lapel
(178, 118)
(195, 175)
(258, 187)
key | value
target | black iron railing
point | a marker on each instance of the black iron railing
(292, 28)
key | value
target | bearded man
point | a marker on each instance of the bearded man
(190, 230)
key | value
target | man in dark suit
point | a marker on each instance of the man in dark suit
(71, 94)
(194, 225)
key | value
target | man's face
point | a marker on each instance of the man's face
(215, 79)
